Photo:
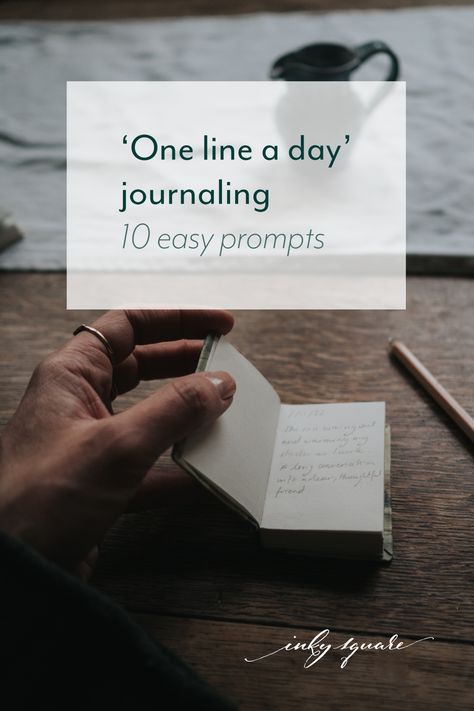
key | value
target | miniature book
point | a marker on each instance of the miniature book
(310, 477)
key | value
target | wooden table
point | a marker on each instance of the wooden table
(193, 574)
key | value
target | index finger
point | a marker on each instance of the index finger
(126, 329)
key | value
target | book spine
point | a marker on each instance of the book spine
(210, 343)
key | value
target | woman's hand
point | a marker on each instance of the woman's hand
(68, 467)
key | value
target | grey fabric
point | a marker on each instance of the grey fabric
(434, 45)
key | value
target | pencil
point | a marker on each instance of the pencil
(439, 394)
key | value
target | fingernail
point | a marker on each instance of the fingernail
(223, 382)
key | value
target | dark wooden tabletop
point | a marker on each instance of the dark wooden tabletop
(192, 572)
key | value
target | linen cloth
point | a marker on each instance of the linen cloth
(436, 54)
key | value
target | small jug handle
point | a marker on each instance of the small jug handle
(364, 52)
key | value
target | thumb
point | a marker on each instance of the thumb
(147, 429)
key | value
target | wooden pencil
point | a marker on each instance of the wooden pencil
(434, 388)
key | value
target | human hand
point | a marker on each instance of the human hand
(68, 466)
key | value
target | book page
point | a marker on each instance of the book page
(235, 452)
(327, 470)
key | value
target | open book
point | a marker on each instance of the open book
(311, 477)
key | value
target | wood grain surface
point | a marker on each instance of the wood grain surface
(422, 676)
(191, 564)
